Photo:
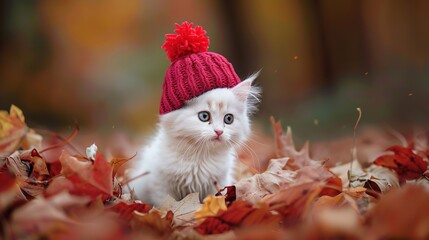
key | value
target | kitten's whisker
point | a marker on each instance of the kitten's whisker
(247, 148)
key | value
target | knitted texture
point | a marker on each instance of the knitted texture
(193, 70)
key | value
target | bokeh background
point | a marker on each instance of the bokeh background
(100, 62)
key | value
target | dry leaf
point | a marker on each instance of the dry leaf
(126, 210)
(89, 178)
(294, 201)
(254, 188)
(9, 190)
(285, 147)
(183, 210)
(401, 214)
(239, 214)
(211, 206)
(41, 216)
(14, 132)
(153, 224)
(405, 162)
(30, 170)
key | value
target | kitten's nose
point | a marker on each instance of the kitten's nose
(218, 132)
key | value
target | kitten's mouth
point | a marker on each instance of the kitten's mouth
(216, 139)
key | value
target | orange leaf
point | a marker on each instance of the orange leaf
(153, 223)
(401, 214)
(294, 201)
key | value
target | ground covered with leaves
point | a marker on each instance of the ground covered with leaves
(54, 192)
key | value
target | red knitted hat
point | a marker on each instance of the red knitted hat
(193, 70)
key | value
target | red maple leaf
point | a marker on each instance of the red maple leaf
(404, 162)
(239, 214)
(84, 177)
(125, 210)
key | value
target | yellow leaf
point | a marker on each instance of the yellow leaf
(12, 129)
(211, 206)
(14, 132)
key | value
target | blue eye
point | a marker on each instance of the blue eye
(229, 118)
(204, 116)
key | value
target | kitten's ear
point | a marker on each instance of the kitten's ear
(244, 89)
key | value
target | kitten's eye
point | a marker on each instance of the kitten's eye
(229, 118)
(204, 116)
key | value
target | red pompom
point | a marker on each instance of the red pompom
(187, 40)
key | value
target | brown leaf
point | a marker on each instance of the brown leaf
(401, 214)
(153, 224)
(30, 171)
(254, 188)
(285, 147)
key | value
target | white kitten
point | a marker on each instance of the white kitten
(194, 148)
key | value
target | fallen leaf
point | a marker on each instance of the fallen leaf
(89, 178)
(183, 210)
(153, 224)
(293, 202)
(285, 147)
(254, 188)
(14, 132)
(30, 170)
(9, 190)
(230, 194)
(401, 214)
(211, 206)
(239, 214)
(126, 210)
(41, 216)
(404, 162)
(332, 223)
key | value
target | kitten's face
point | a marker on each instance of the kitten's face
(217, 118)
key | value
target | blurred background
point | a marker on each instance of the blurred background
(100, 62)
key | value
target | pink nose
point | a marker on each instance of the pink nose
(218, 132)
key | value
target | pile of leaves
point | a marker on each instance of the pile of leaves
(56, 192)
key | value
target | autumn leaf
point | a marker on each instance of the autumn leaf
(229, 192)
(14, 132)
(30, 170)
(126, 210)
(9, 190)
(294, 201)
(254, 188)
(404, 162)
(41, 216)
(88, 178)
(153, 224)
(239, 215)
(285, 147)
(401, 214)
(211, 206)
(183, 210)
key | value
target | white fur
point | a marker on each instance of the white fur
(184, 156)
